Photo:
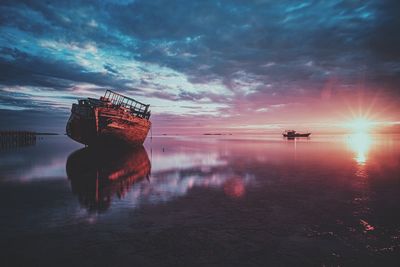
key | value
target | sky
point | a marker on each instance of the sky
(203, 66)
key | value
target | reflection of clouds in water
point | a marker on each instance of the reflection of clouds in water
(104, 179)
(45, 161)
(174, 180)
(55, 168)
(184, 160)
(24, 169)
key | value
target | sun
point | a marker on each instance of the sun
(361, 125)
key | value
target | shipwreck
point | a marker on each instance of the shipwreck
(112, 119)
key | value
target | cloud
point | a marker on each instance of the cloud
(233, 57)
(27, 69)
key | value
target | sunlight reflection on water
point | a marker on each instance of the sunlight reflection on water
(360, 143)
(221, 190)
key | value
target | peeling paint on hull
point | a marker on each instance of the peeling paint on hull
(90, 125)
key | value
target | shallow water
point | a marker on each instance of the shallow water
(203, 200)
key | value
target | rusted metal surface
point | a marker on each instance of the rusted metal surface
(129, 104)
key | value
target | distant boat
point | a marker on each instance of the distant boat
(112, 119)
(293, 134)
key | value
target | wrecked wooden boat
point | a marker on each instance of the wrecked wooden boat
(113, 119)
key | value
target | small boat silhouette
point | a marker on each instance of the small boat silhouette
(293, 134)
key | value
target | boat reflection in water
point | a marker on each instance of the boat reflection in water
(211, 200)
(97, 176)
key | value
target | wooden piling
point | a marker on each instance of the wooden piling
(13, 139)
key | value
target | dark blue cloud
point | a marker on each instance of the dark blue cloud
(337, 37)
(224, 36)
(25, 69)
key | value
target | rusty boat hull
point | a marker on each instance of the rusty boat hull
(94, 123)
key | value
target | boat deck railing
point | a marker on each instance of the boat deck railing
(135, 107)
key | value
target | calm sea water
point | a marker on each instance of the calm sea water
(203, 201)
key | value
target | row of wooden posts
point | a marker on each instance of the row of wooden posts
(11, 139)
